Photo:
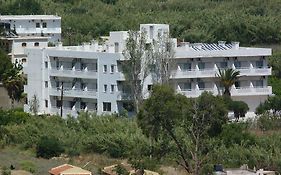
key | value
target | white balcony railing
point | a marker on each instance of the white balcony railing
(79, 93)
(92, 74)
(242, 91)
(69, 111)
(197, 73)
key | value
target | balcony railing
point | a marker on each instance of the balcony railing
(79, 93)
(69, 111)
(124, 96)
(199, 73)
(242, 91)
(68, 72)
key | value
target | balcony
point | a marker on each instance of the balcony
(69, 111)
(242, 91)
(196, 73)
(124, 96)
(248, 91)
(255, 71)
(78, 93)
(89, 74)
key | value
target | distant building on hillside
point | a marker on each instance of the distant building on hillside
(243, 170)
(67, 169)
(33, 25)
(91, 77)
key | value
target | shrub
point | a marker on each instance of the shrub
(49, 147)
(5, 171)
(269, 121)
(28, 166)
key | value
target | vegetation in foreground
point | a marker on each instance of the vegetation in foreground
(255, 143)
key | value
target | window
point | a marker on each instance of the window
(104, 68)
(46, 103)
(201, 66)
(46, 84)
(44, 25)
(23, 60)
(259, 64)
(151, 32)
(104, 88)
(106, 106)
(149, 87)
(223, 65)
(237, 84)
(112, 88)
(116, 47)
(111, 68)
(36, 44)
(187, 86)
(185, 66)
(201, 85)
(58, 103)
(258, 83)
(128, 106)
(37, 25)
(46, 64)
(237, 64)
(83, 105)
(23, 44)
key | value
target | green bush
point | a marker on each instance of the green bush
(236, 133)
(5, 171)
(269, 121)
(28, 166)
(49, 147)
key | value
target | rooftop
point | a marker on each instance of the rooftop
(26, 17)
(68, 169)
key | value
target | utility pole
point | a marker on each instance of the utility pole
(61, 99)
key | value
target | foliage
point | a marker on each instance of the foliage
(120, 170)
(135, 66)
(13, 81)
(239, 108)
(187, 122)
(271, 104)
(162, 52)
(48, 147)
(6, 171)
(250, 22)
(267, 121)
(236, 134)
(5, 64)
(28, 166)
(34, 105)
(227, 78)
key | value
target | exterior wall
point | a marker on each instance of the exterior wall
(25, 25)
(91, 74)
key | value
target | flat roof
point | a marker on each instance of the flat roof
(24, 38)
(27, 17)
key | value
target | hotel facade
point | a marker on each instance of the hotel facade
(89, 77)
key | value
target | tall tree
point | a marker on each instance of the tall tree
(162, 61)
(13, 81)
(227, 78)
(5, 64)
(189, 123)
(136, 64)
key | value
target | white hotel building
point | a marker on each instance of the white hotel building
(92, 79)
(34, 25)
(27, 31)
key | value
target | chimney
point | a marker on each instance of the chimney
(221, 43)
(235, 45)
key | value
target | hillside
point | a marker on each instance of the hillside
(248, 21)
